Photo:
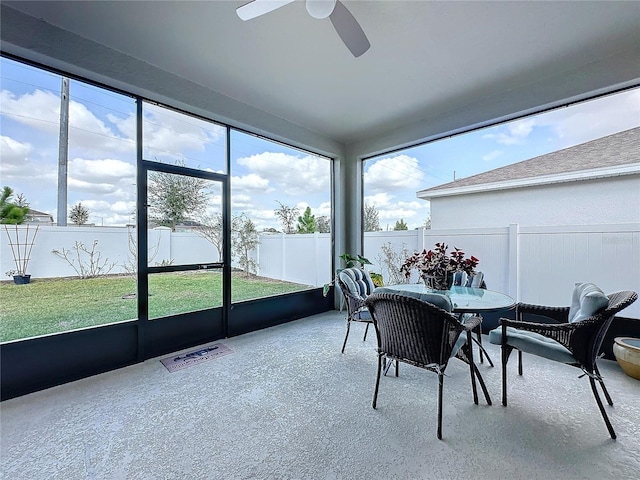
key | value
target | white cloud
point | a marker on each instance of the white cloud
(398, 173)
(14, 154)
(95, 188)
(516, 132)
(594, 119)
(378, 200)
(41, 111)
(290, 174)
(249, 183)
(101, 171)
(172, 135)
(391, 209)
(324, 209)
(16, 164)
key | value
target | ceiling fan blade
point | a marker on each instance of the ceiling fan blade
(349, 30)
(259, 7)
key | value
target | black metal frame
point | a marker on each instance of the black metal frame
(34, 364)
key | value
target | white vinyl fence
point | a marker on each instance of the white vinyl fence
(532, 264)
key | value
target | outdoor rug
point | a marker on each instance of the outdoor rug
(195, 357)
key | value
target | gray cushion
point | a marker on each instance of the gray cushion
(586, 300)
(475, 280)
(460, 279)
(436, 299)
(363, 315)
(533, 343)
(357, 281)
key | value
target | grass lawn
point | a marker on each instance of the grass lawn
(54, 305)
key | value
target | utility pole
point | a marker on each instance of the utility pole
(63, 153)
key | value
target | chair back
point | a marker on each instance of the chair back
(476, 280)
(413, 331)
(602, 321)
(356, 281)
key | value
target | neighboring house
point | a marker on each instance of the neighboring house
(597, 182)
(38, 218)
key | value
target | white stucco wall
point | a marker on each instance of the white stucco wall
(607, 200)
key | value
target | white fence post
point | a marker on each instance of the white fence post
(514, 261)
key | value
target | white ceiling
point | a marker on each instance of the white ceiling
(427, 59)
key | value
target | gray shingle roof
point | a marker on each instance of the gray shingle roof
(621, 148)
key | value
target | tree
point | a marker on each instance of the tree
(323, 224)
(11, 212)
(427, 223)
(307, 222)
(175, 198)
(79, 214)
(245, 240)
(210, 229)
(287, 216)
(371, 219)
(21, 201)
(400, 225)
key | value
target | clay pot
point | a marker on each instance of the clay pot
(627, 353)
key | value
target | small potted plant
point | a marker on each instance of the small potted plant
(350, 261)
(437, 268)
(21, 241)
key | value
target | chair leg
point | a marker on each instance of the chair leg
(478, 341)
(387, 366)
(440, 385)
(505, 351)
(346, 335)
(601, 407)
(375, 392)
(604, 389)
(365, 332)
(484, 387)
(472, 367)
(520, 362)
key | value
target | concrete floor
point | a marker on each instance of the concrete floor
(287, 405)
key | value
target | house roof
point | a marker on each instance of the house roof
(38, 213)
(613, 154)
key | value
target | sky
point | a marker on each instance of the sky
(102, 173)
(391, 181)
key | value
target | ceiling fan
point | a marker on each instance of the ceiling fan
(343, 21)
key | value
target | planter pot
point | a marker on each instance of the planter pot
(21, 279)
(439, 282)
(627, 352)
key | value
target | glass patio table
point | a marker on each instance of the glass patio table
(463, 300)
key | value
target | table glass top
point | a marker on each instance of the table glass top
(464, 299)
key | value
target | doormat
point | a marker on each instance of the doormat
(194, 357)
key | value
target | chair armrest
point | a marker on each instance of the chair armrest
(557, 314)
(566, 334)
(472, 323)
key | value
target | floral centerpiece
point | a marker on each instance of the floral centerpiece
(437, 268)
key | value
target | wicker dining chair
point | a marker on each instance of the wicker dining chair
(574, 337)
(421, 334)
(355, 285)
